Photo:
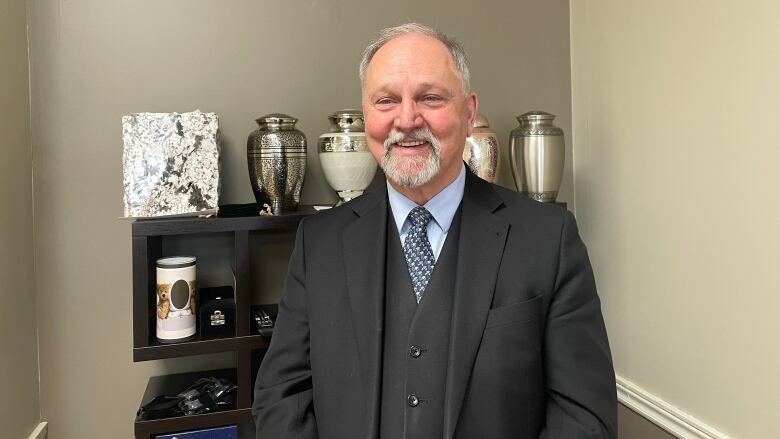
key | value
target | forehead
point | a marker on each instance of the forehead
(411, 56)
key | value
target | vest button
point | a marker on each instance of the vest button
(415, 351)
(412, 400)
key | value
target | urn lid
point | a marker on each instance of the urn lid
(481, 121)
(346, 121)
(535, 116)
(176, 262)
(537, 123)
(276, 120)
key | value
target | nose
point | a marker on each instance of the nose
(408, 118)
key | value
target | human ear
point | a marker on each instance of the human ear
(471, 107)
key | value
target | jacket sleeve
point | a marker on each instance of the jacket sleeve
(283, 406)
(580, 379)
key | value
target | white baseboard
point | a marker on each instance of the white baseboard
(40, 431)
(663, 414)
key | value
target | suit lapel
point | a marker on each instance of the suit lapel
(363, 243)
(482, 239)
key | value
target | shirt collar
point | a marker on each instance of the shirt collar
(442, 206)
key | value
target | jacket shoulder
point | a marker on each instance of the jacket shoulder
(519, 207)
(327, 221)
(332, 221)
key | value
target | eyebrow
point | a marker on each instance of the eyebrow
(424, 86)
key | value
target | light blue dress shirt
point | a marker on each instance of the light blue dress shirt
(442, 207)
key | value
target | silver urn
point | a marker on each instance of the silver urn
(276, 154)
(481, 153)
(346, 161)
(537, 151)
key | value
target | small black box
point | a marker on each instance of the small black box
(217, 313)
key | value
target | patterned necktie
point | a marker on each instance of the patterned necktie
(417, 249)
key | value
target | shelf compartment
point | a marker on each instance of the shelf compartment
(173, 384)
(197, 346)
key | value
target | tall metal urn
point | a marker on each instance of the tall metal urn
(536, 150)
(276, 154)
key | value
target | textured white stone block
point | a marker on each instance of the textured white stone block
(170, 164)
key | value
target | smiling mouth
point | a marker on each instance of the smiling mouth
(411, 143)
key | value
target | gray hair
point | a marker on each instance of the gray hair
(390, 33)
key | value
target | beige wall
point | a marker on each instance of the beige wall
(675, 164)
(94, 61)
(19, 409)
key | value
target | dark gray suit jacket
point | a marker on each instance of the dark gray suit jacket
(528, 358)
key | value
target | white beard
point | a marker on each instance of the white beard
(411, 172)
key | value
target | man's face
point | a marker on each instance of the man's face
(416, 114)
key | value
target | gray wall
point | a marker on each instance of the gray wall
(94, 61)
(19, 409)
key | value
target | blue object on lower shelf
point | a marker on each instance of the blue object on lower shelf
(229, 432)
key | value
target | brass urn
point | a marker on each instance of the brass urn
(482, 154)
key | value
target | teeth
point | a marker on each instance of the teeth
(412, 143)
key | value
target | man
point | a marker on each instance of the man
(439, 305)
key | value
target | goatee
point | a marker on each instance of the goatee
(411, 172)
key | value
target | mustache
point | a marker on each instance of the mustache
(423, 134)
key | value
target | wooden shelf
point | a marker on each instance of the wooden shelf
(147, 237)
(189, 225)
(197, 346)
(147, 427)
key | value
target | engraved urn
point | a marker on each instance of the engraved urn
(536, 150)
(346, 161)
(276, 154)
(481, 153)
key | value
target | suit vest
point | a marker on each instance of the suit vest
(416, 342)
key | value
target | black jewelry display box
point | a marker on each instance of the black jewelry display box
(217, 312)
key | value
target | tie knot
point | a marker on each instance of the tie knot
(419, 217)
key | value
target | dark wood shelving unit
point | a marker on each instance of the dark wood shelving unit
(147, 244)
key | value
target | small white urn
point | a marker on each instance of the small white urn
(346, 161)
